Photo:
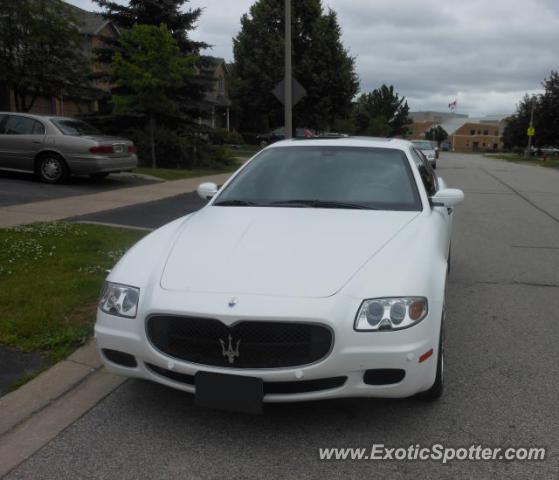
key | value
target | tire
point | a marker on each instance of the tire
(437, 389)
(52, 168)
(99, 175)
(435, 166)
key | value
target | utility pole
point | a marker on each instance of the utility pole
(288, 73)
(529, 149)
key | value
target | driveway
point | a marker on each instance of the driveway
(501, 370)
(150, 214)
(20, 188)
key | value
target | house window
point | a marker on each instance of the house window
(221, 84)
(472, 132)
(486, 132)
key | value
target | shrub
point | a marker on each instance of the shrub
(221, 136)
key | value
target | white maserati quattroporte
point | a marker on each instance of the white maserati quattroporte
(317, 271)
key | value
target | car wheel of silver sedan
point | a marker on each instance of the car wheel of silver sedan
(52, 169)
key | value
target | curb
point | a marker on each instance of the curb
(38, 411)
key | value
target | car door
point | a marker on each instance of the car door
(443, 215)
(22, 139)
(3, 119)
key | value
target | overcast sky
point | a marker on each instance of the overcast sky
(485, 54)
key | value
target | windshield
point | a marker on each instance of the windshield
(71, 126)
(424, 145)
(325, 177)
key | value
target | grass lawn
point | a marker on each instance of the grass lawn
(552, 162)
(50, 278)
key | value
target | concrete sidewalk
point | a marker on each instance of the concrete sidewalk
(61, 208)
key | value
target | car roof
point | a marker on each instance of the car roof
(371, 142)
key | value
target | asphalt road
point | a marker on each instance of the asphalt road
(17, 188)
(149, 214)
(501, 371)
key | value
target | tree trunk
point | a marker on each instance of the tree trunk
(152, 140)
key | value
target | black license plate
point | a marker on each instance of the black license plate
(234, 393)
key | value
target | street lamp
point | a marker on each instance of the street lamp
(288, 105)
(530, 129)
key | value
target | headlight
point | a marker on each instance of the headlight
(390, 313)
(120, 300)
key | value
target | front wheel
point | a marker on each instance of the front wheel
(438, 387)
(52, 169)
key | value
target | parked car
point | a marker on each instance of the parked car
(55, 147)
(317, 271)
(279, 134)
(549, 151)
(429, 150)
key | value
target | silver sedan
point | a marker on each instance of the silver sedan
(55, 147)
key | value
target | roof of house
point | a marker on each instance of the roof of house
(90, 23)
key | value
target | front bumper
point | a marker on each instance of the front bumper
(353, 353)
(86, 164)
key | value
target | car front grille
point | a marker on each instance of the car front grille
(247, 344)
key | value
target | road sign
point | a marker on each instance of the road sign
(531, 131)
(298, 91)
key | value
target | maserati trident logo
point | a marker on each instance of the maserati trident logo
(230, 352)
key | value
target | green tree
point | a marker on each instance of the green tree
(437, 134)
(40, 51)
(149, 66)
(382, 113)
(546, 117)
(320, 63)
(179, 21)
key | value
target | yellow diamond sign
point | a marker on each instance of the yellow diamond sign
(531, 131)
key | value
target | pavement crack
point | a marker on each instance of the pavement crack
(526, 199)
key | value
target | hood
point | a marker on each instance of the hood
(292, 252)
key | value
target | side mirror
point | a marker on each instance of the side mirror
(206, 191)
(447, 197)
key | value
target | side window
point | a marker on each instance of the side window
(16, 125)
(426, 171)
(2, 121)
(38, 128)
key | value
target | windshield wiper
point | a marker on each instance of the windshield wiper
(236, 203)
(322, 204)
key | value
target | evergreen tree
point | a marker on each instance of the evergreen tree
(157, 12)
(437, 134)
(149, 68)
(382, 113)
(320, 63)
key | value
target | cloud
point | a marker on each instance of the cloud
(485, 54)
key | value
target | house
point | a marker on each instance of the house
(217, 103)
(93, 27)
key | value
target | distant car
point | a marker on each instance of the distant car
(445, 147)
(549, 151)
(428, 149)
(279, 134)
(56, 147)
